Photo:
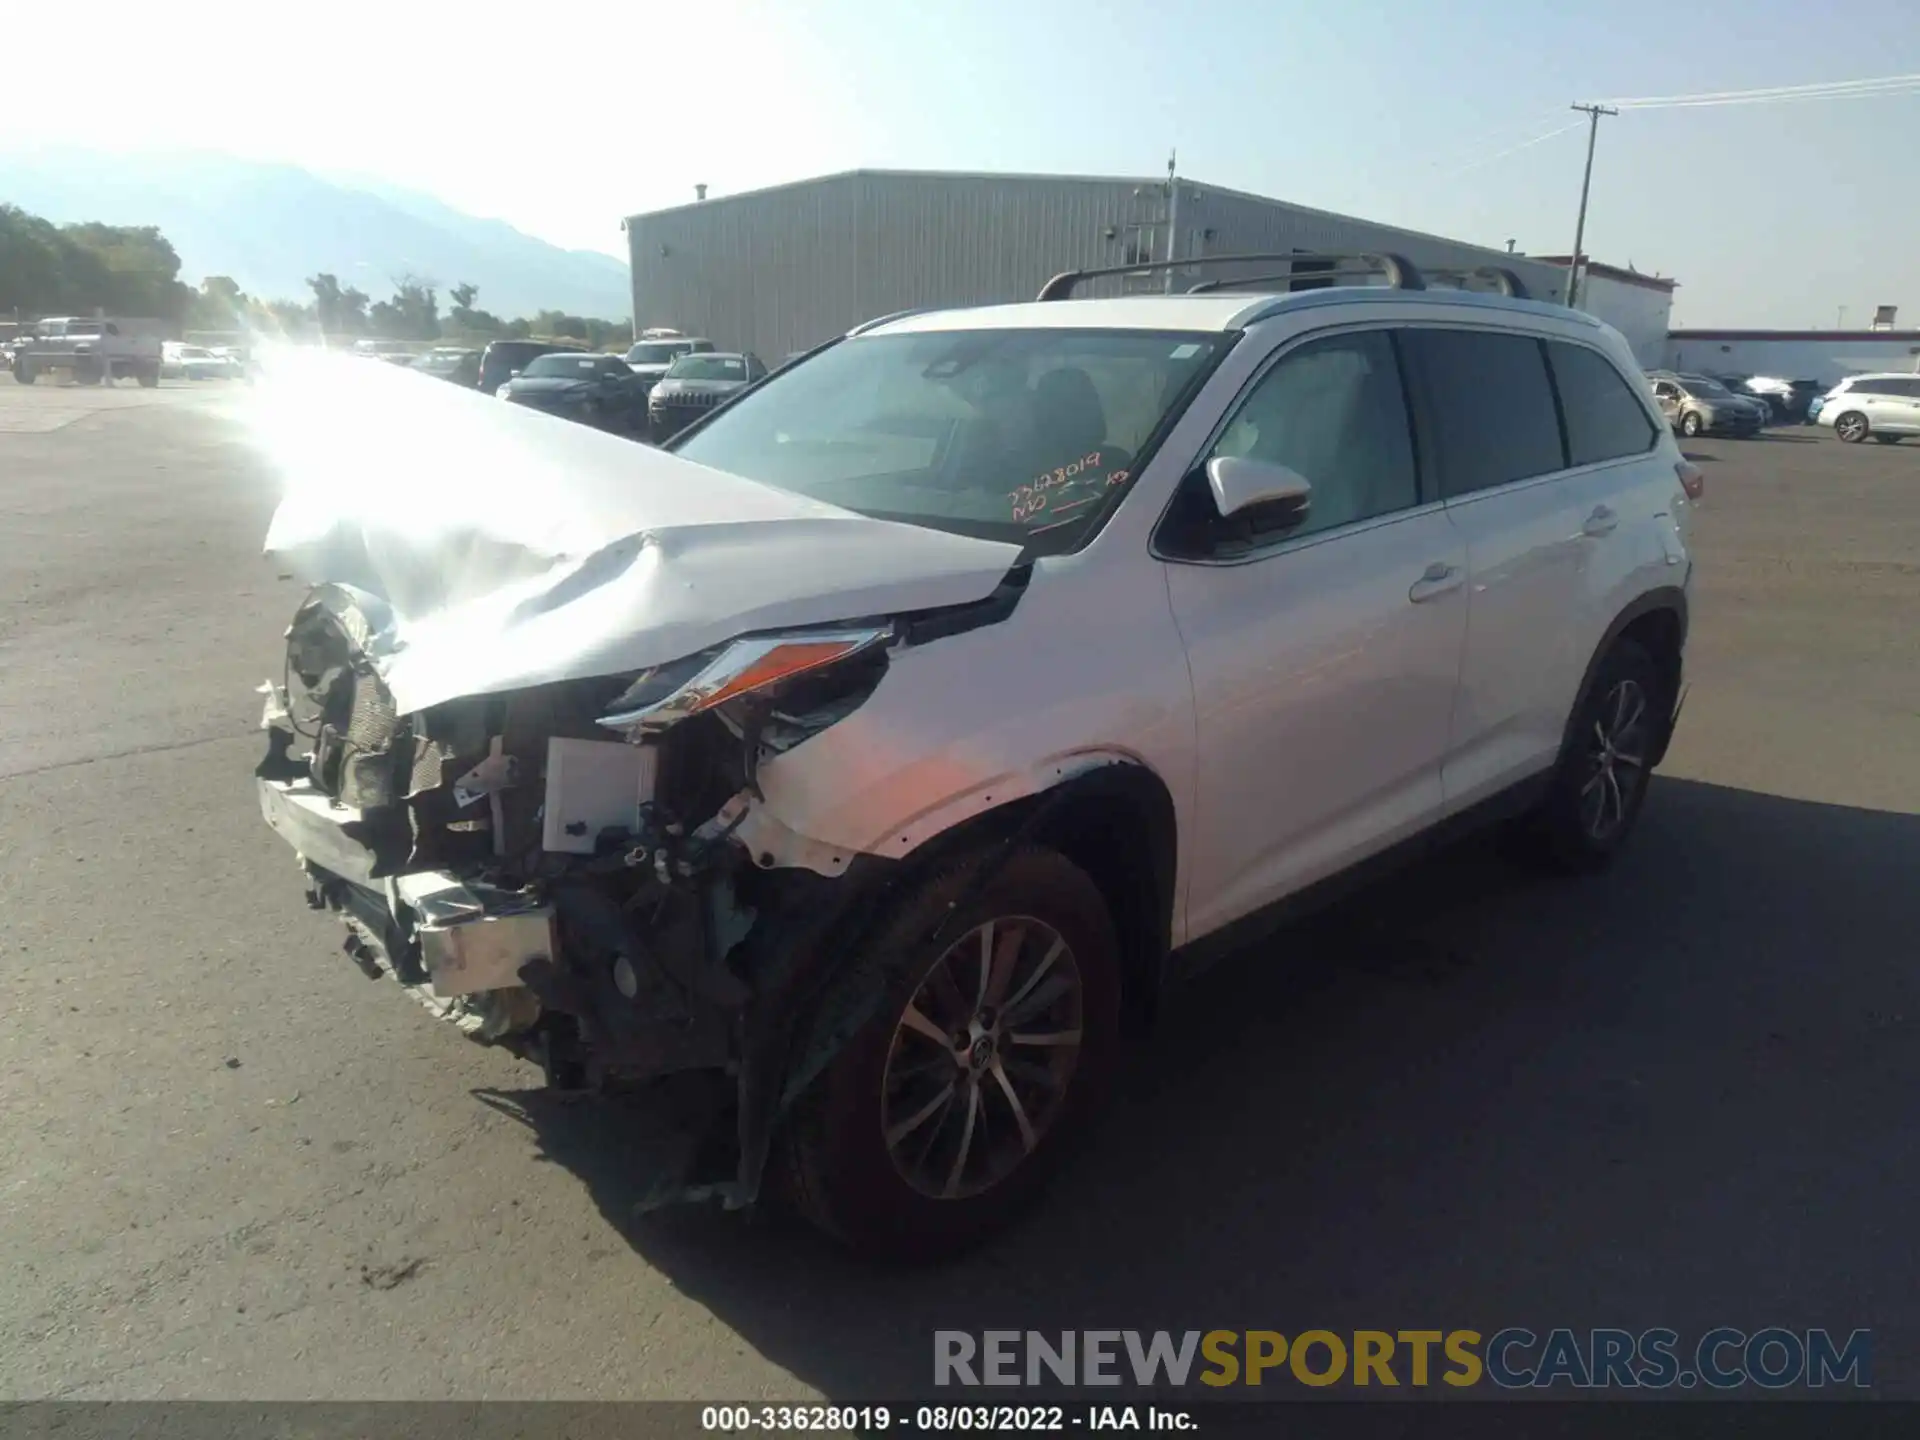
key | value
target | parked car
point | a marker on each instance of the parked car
(1701, 405)
(451, 362)
(651, 355)
(1884, 406)
(91, 349)
(383, 349)
(813, 753)
(1742, 386)
(593, 389)
(694, 384)
(196, 362)
(503, 359)
(1788, 399)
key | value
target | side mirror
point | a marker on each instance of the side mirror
(1239, 483)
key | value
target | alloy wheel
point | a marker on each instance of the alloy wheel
(982, 1057)
(1616, 760)
(1852, 427)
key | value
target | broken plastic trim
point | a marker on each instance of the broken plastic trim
(749, 664)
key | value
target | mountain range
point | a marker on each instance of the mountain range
(269, 226)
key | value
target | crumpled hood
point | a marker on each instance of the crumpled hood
(514, 552)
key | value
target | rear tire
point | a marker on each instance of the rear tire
(1851, 427)
(1597, 789)
(149, 379)
(24, 374)
(944, 1117)
(1691, 424)
(1888, 439)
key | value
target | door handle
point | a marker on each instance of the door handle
(1439, 578)
(1601, 522)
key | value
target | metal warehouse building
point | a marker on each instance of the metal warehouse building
(783, 269)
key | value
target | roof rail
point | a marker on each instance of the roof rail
(1505, 281)
(1396, 270)
(874, 324)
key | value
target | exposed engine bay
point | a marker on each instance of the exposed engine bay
(573, 870)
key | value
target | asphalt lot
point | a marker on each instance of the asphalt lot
(1681, 1094)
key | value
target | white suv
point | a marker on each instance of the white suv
(883, 749)
(1887, 407)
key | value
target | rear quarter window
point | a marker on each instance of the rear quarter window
(1604, 418)
(1487, 405)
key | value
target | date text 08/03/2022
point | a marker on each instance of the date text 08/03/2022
(942, 1419)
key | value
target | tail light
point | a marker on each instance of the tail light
(1693, 479)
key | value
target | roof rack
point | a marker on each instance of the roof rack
(1396, 270)
(1503, 280)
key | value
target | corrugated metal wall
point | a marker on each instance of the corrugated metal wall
(1241, 222)
(780, 270)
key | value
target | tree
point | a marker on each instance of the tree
(326, 301)
(220, 305)
(414, 311)
(121, 269)
(338, 311)
(32, 263)
(137, 269)
(464, 319)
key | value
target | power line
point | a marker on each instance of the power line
(1511, 150)
(1819, 90)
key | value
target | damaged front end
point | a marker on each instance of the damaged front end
(579, 871)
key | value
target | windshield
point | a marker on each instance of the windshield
(570, 367)
(1028, 436)
(1710, 389)
(708, 367)
(656, 353)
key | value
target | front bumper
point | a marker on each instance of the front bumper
(458, 936)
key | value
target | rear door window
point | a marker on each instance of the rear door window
(1605, 420)
(1487, 404)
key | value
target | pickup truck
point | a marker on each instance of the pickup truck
(91, 349)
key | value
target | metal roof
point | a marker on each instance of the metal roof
(1155, 182)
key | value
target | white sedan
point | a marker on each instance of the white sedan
(192, 362)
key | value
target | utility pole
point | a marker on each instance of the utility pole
(1593, 114)
(1173, 215)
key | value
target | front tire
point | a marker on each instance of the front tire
(944, 1117)
(25, 374)
(1851, 427)
(1600, 784)
(1691, 424)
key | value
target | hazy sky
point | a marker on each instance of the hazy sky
(563, 117)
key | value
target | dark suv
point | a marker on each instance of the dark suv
(503, 359)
